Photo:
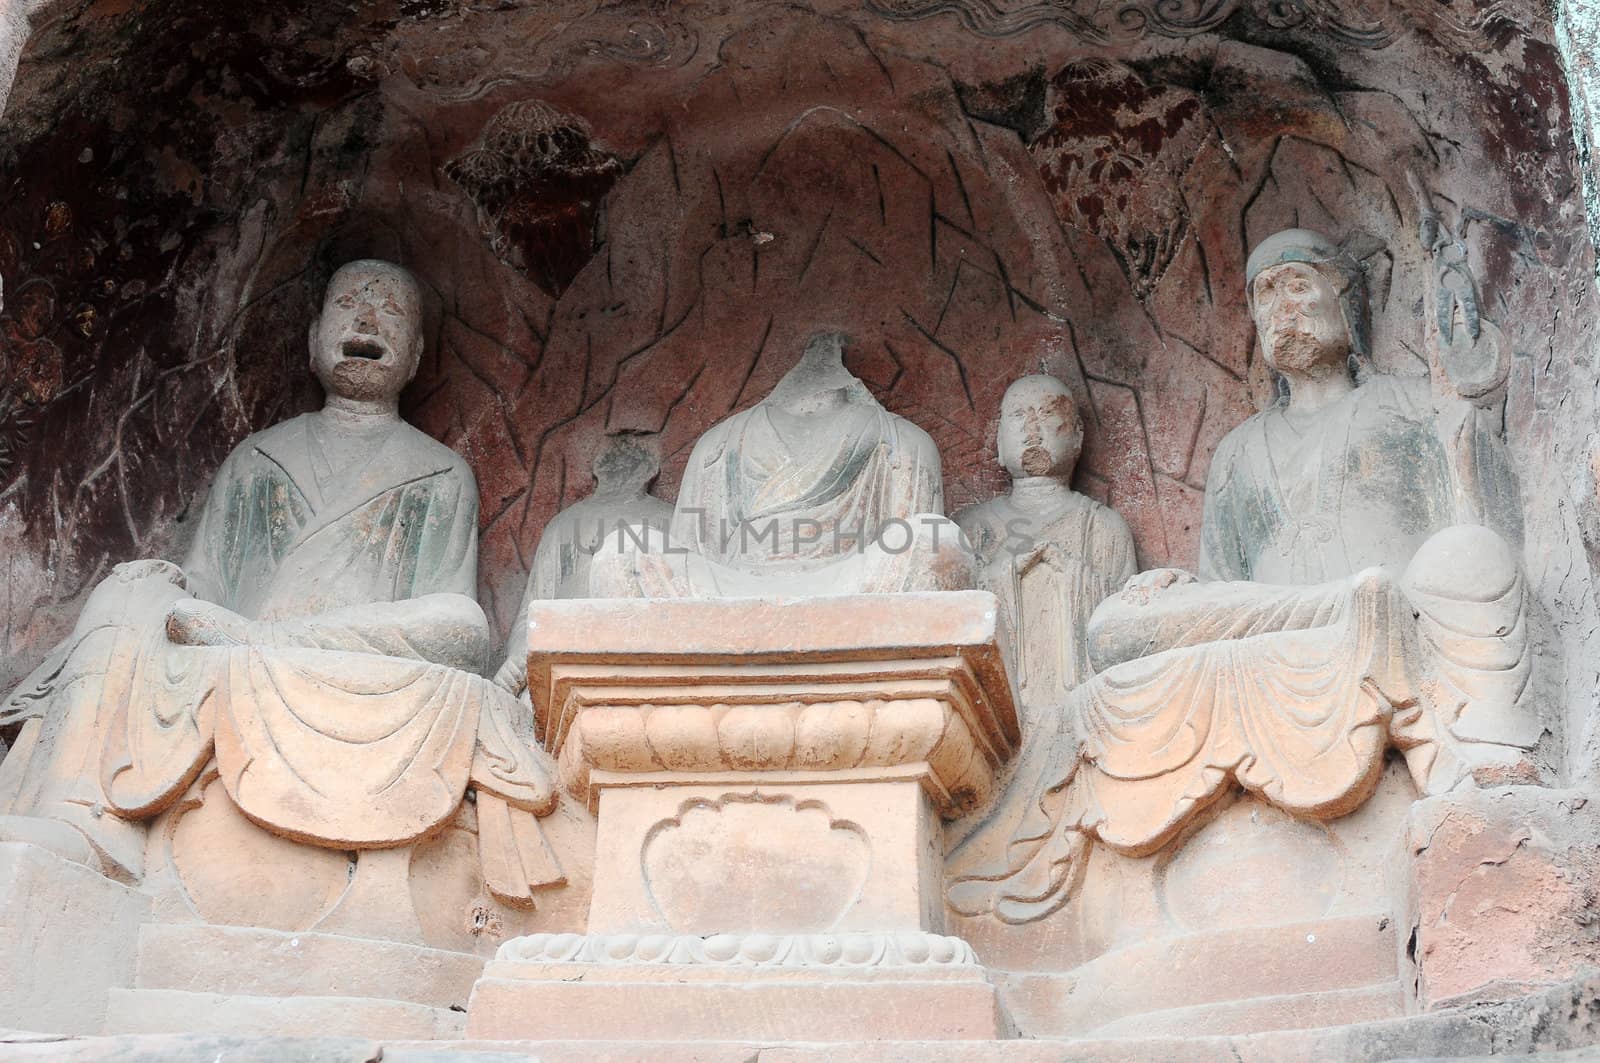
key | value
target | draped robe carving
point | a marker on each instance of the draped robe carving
(817, 489)
(354, 718)
(1356, 613)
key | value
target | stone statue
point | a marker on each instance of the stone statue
(1048, 553)
(321, 642)
(1352, 600)
(817, 489)
(623, 471)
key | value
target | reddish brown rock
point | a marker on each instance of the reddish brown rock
(1504, 892)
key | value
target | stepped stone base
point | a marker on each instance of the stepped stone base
(201, 958)
(1298, 1011)
(1223, 978)
(240, 980)
(1563, 1019)
(800, 987)
(66, 937)
(175, 1011)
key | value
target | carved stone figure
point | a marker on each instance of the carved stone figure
(817, 489)
(321, 641)
(623, 472)
(1048, 553)
(1352, 601)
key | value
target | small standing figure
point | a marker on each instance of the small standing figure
(1048, 553)
(624, 469)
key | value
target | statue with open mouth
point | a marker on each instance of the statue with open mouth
(317, 659)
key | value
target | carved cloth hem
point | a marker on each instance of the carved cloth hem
(1297, 716)
(1292, 693)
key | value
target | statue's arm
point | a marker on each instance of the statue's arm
(1121, 563)
(1475, 359)
(448, 629)
(1222, 546)
(205, 567)
(512, 674)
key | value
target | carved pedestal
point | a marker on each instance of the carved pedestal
(66, 939)
(1501, 892)
(769, 777)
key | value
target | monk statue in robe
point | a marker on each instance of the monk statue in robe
(624, 469)
(321, 644)
(1049, 554)
(814, 490)
(1350, 598)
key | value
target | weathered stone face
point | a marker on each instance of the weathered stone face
(679, 198)
(367, 340)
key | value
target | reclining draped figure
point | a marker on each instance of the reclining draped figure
(1351, 597)
(321, 641)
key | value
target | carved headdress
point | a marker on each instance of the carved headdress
(1347, 275)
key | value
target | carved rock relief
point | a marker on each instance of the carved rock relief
(754, 861)
(971, 200)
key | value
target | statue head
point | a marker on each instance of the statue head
(367, 341)
(626, 463)
(1308, 298)
(1041, 433)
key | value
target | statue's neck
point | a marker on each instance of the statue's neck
(796, 416)
(359, 414)
(1040, 492)
(1311, 392)
(619, 490)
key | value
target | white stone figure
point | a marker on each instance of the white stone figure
(322, 641)
(1352, 601)
(816, 489)
(15, 28)
(1048, 553)
(623, 471)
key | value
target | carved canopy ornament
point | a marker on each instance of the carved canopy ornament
(1109, 21)
(537, 180)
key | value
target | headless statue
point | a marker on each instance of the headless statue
(816, 489)
(1351, 599)
(321, 641)
(1048, 553)
(623, 472)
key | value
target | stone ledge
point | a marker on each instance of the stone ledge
(1563, 1018)
(136, 1011)
(66, 937)
(257, 962)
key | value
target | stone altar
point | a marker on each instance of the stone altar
(770, 756)
(770, 776)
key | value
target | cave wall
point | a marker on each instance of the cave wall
(629, 215)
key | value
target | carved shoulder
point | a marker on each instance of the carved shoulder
(1230, 451)
(274, 436)
(430, 451)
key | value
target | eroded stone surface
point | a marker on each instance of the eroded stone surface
(1503, 892)
(629, 223)
(1118, 198)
